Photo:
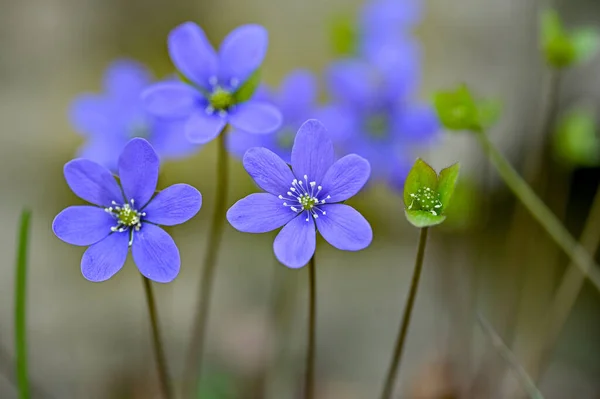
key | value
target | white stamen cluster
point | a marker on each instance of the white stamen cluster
(304, 197)
(127, 217)
(426, 199)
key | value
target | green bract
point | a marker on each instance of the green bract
(563, 49)
(458, 110)
(576, 141)
(427, 195)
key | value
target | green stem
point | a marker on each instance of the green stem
(309, 382)
(540, 211)
(525, 380)
(20, 305)
(159, 352)
(193, 370)
(567, 293)
(390, 381)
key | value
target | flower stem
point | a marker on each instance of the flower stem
(159, 352)
(20, 305)
(309, 382)
(193, 369)
(566, 294)
(541, 212)
(390, 381)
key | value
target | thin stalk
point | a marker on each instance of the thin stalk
(525, 380)
(309, 381)
(193, 369)
(541, 212)
(390, 381)
(566, 294)
(159, 352)
(21, 305)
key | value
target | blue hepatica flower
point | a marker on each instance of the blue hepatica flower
(210, 101)
(306, 195)
(373, 113)
(110, 119)
(126, 216)
(296, 101)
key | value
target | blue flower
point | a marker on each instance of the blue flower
(307, 194)
(296, 101)
(373, 113)
(125, 217)
(110, 119)
(210, 101)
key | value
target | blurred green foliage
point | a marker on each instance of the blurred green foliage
(576, 140)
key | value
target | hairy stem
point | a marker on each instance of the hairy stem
(193, 370)
(21, 304)
(309, 381)
(159, 351)
(390, 381)
(544, 216)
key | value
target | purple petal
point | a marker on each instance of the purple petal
(82, 225)
(346, 177)
(344, 228)
(295, 244)
(242, 52)
(89, 115)
(126, 78)
(169, 140)
(138, 171)
(312, 154)
(298, 93)
(353, 82)
(201, 128)
(341, 121)
(170, 99)
(259, 213)
(238, 142)
(192, 53)
(174, 205)
(389, 17)
(255, 117)
(268, 170)
(103, 150)
(418, 124)
(105, 258)
(92, 182)
(155, 254)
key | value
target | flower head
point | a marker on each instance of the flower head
(211, 98)
(110, 119)
(374, 116)
(296, 99)
(308, 194)
(126, 216)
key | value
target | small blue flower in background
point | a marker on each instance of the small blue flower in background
(126, 216)
(296, 100)
(307, 194)
(209, 102)
(372, 112)
(110, 119)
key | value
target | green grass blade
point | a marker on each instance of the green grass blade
(20, 304)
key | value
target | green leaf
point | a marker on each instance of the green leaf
(586, 42)
(420, 175)
(559, 49)
(343, 35)
(246, 90)
(20, 305)
(423, 219)
(576, 141)
(447, 183)
(551, 25)
(457, 109)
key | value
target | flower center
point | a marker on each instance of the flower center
(285, 139)
(127, 218)
(221, 99)
(378, 126)
(426, 199)
(305, 196)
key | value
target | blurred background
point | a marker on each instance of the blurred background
(93, 340)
